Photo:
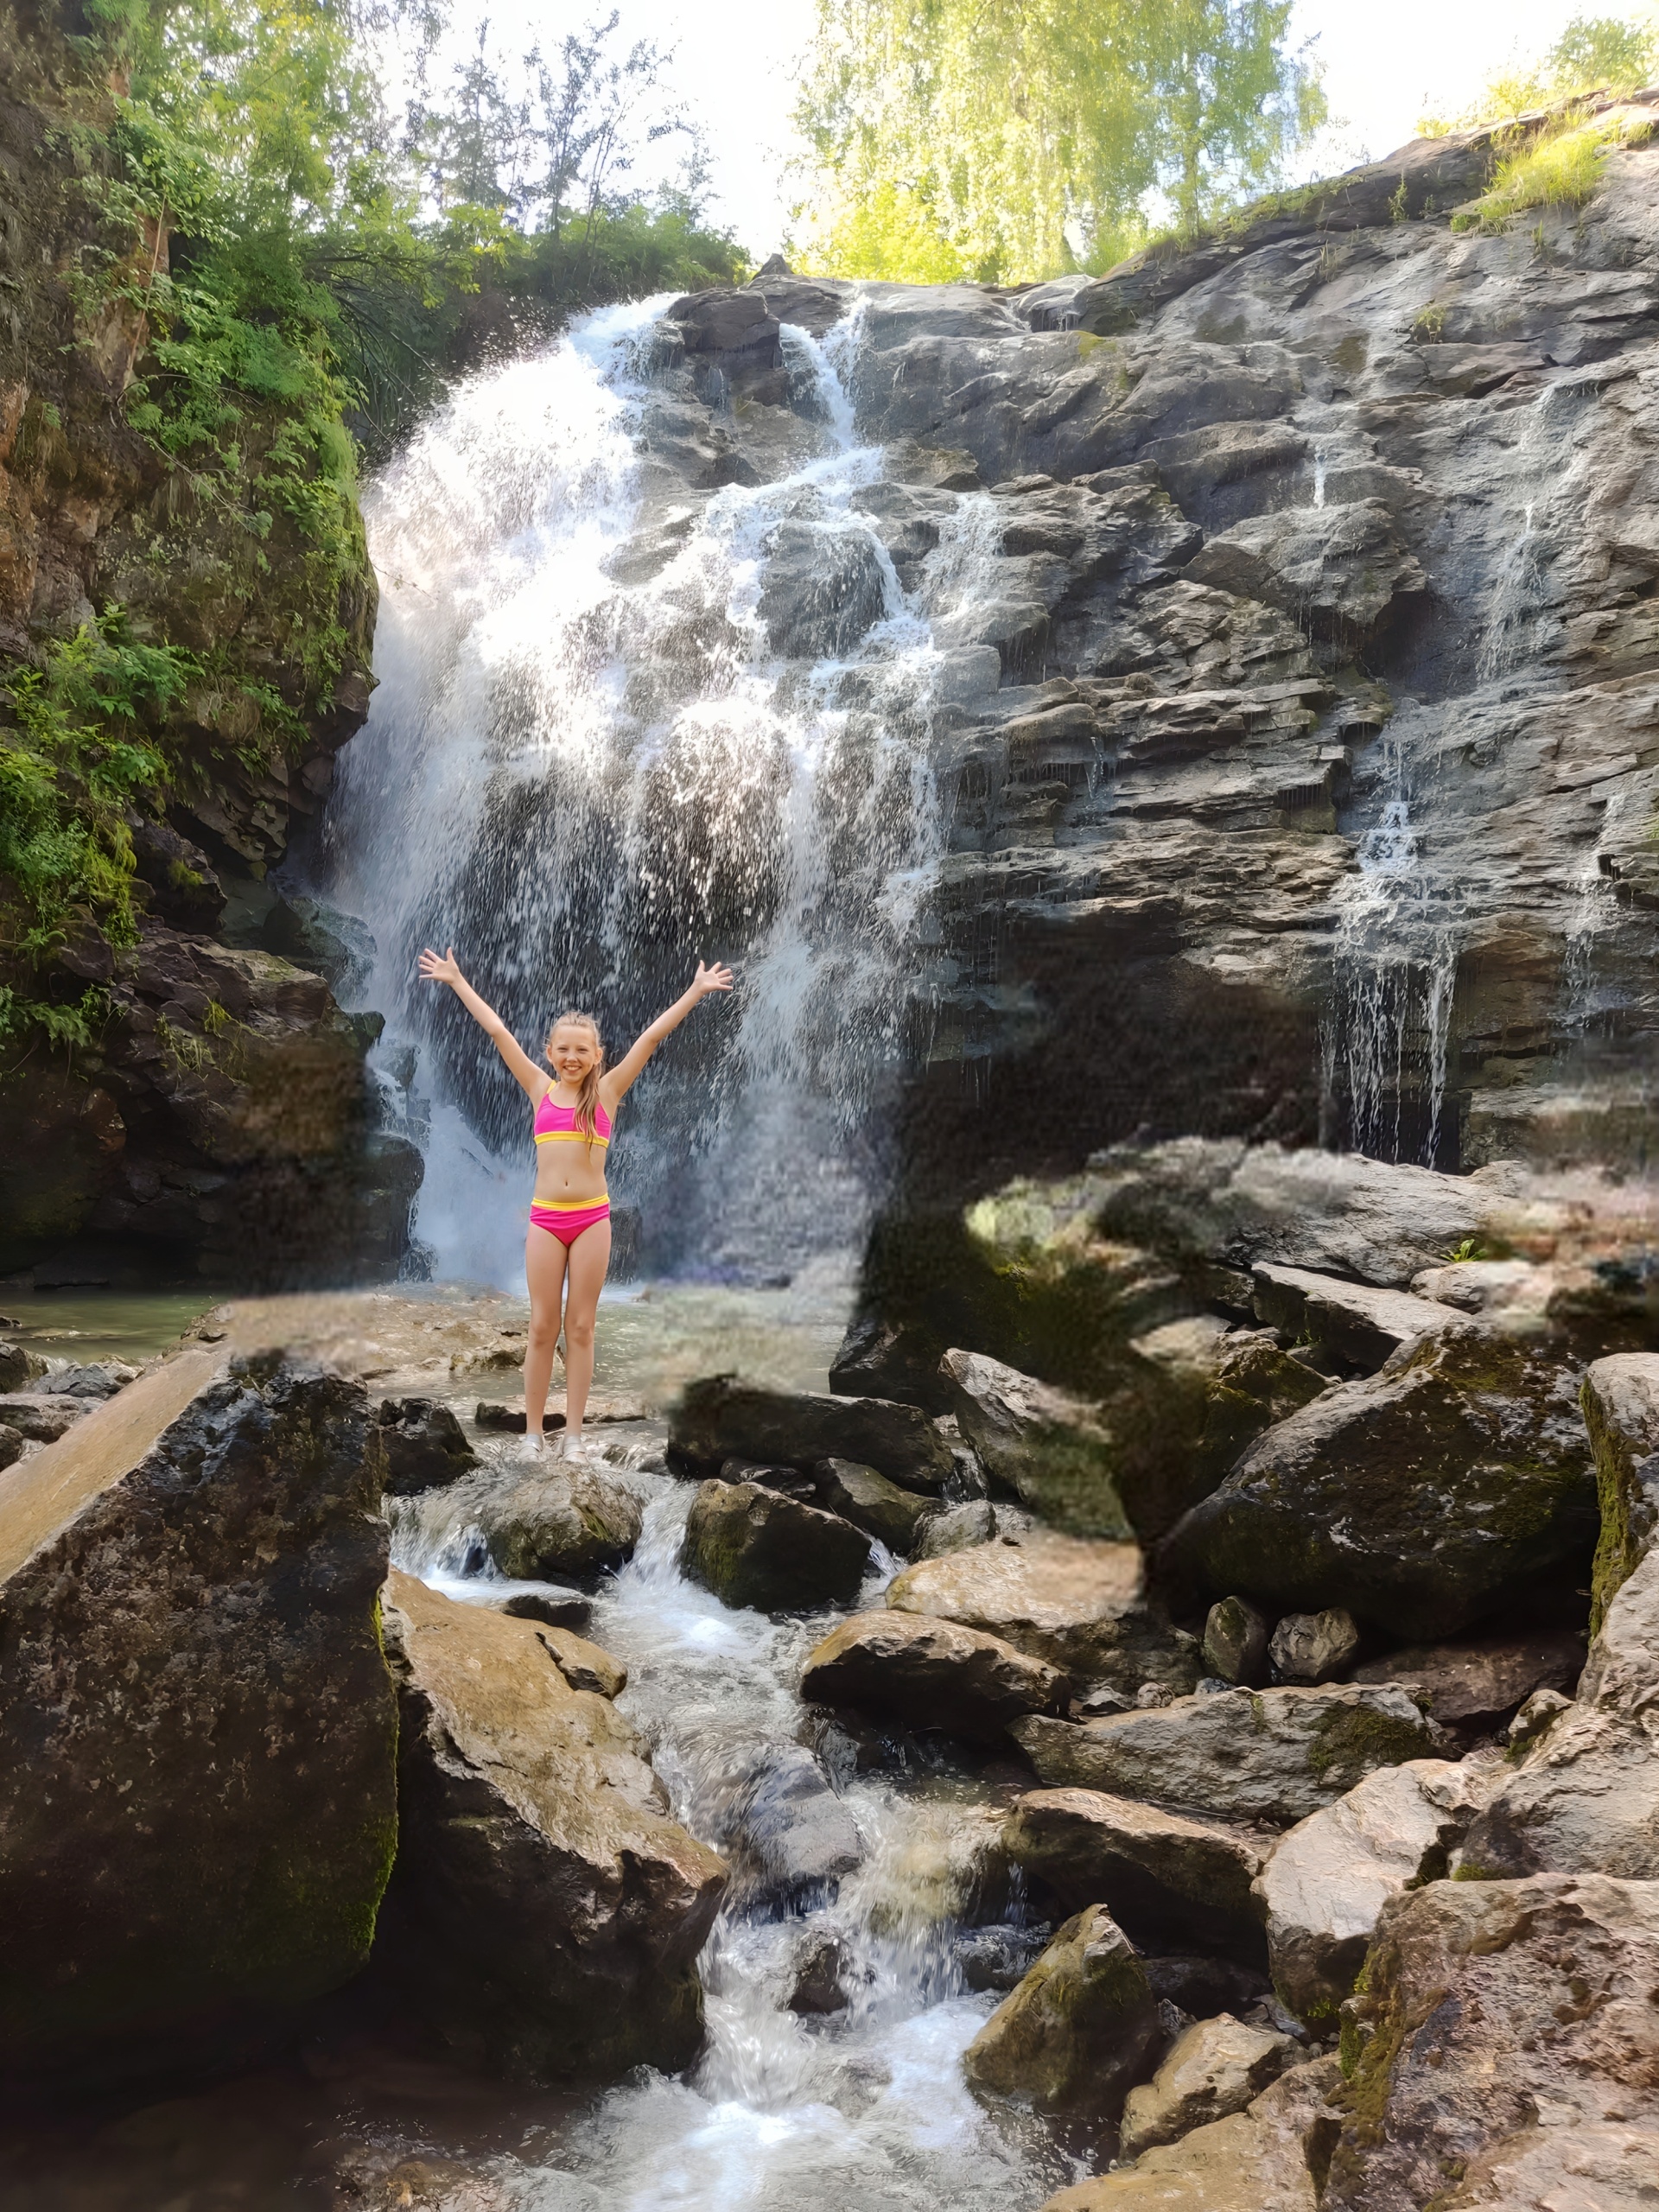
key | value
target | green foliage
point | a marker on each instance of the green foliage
(1593, 53)
(1007, 140)
(1558, 166)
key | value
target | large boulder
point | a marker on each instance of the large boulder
(1079, 1604)
(721, 1418)
(1213, 2068)
(1356, 1321)
(930, 1673)
(1165, 1875)
(1039, 1442)
(1081, 2029)
(546, 1915)
(1496, 2014)
(1326, 1881)
(752, 1546)
(1620, 1399)
(1272, 1756)
(566, 1522)
(1478, 1683)
(1341, 568)
(870, 1502)
(1422, 1498)
(197, 1730)
(425, 1444)
(1261, 2159)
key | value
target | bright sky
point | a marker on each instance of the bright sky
(1384, 67)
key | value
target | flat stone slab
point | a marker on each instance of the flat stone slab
(1359, 1320)
(930, 1673)
(1164, 1872)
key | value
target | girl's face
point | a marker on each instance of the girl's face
(571, 1050)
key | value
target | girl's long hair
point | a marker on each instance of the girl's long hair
(587, 1092)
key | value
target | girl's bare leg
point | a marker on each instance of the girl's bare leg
(544, 1273)
(590, 1258)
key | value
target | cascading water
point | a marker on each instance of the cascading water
(623, 725)
(864, 2106)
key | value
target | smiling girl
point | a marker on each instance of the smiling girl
(568, 1249)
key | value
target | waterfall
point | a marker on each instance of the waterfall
(623, 724)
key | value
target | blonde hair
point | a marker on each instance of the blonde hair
(587, 1090)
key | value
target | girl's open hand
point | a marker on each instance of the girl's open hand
(711, 979)
(443, 968)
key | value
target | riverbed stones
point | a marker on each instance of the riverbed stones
(1079, 2031)
(197, 1730)
(556, 1608)
(752, 1546)
(1313, 1647)
(1358, 1322)
(1326, 1881)
(1041, 1443)
(546, 1915)
(1078, 1604)
(929, 1673)
(1273, 1755)
(1235, 1643)
(1165, 1875)
(1420, 1499)
(40, 1416)
(870, 1502)
(425, 1444)
(566, 1522)
(1214, 2068)
(19, 1366)
(788, 1833)
(1496, 2014)
(721, 1418)
(1621, 1411)
(1475, 1684)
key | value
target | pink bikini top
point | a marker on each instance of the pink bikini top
(556, 1124)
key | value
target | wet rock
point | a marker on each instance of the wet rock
(546, 1915)
(870, 1502)
(1326, 1882)
(204, 1544)
(783, 1823)
(930, 1673)
(1621, 1411)
(1216, 2068)
(956, 1528)
(1077, 1604)
(754, 1547)
(583, 1665)
(1259, 2160)
(1341, 568)
(1235, 1643)
(506, 1415)
(1356, 1321)
(1490, 2007)
(19, 1367)
(1001, 1956)
(793, 1482)
(1164, 1876)
(1203, 1987)
(721, 1417)
(882, 1359)
(1273, 1755)
(95, 1382)
(40, 1416)
(1255, 1385)
(425, 1444)
(1313, 1647)
(1039, 1442)
(13, 1445)
(1607, 2166)
(824, 589)
(1419, 1498)
(1474, 1684)
(553, 1608)
(566, 1523)
(1080, 2030)
(821, 1964)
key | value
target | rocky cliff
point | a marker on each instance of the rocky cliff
(181, 1092)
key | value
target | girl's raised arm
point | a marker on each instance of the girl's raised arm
(619, 1079)
(445, 969)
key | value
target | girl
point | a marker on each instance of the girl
(568, 1247)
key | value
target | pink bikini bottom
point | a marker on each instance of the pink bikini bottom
(565, 1221)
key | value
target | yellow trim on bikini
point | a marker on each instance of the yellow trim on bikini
(569, 1136)
(569, 1205)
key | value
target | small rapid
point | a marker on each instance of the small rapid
(863, 2106)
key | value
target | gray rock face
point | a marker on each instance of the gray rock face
(546, 1915)
(197, 1795)
(721, 1418)
(751, 1546)
(1342, 570)
(425, 1444)
(1419, 1498)
(1355, 1320)
(1216, 2068)
(930, 1673)
(1272, 1756)
(1489, 2005)
(1080, 2029)
(1039, 1442)
(821, 592)
(1313, 1647)
(1326, 1883)
(564, 1524)
(1621, 1411)
(1166, 1877)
